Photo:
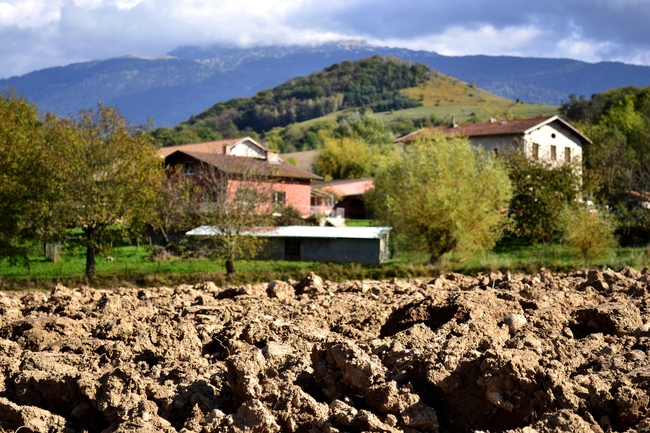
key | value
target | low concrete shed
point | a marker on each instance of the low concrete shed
(364, 245)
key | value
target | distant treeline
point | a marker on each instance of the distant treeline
(372, 83)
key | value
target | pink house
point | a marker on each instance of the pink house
(238, 158)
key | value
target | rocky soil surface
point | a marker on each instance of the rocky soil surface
(536, 353)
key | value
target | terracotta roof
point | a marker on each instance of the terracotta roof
(207, 147)
(241, 164)
(343, 187)
(503, 128)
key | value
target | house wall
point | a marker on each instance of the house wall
(502, 144)
(247, 149)
(362, 251)
(298, 195)
(546, 136)
(554, 135)
(298, 191)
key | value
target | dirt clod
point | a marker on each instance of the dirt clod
(500, 352)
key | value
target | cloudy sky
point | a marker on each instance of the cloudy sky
(36, 34)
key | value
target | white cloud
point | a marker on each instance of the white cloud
(28, 13)
(586, 50)
(39, 33)
(487, 39)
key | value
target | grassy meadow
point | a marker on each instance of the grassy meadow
(131, 266)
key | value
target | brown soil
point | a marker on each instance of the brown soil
(453, 354)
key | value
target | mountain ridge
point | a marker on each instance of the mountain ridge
(170, 90)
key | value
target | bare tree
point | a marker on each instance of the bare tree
(177, 209)
(238, 197)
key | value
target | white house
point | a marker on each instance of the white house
(548, 139)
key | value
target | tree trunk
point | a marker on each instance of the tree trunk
(90, 256)
(230, 267)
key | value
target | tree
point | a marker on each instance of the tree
(356, 148)
(344, 158)
(540, 192)
(443, 195)
(236, 202)
(25, 168)
(176, 209)
(112, 175)
(591, 232)
(364, 126)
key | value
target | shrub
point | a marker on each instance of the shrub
(591, 232)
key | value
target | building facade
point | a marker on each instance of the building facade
(550, 140)
(245, 164)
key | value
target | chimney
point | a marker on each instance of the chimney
(493, 120)
(273, 157)
(453, 122)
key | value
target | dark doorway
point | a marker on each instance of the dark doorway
(292, 250)
(356, 209)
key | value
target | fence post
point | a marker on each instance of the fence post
(52, 251)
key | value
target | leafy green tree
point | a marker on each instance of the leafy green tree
(617, 164)
(111, 177)
(443, 195)
(364, 126)
(540, 192)
(344, 158)
(356, 148)
(25, 169)
(590, 232)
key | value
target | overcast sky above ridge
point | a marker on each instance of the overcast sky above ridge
(36, 34)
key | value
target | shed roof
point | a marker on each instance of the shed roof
(304, 232)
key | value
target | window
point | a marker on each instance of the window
(567, 155)
(553, 153)
(535, 151)
(188, 168)
(279, 197)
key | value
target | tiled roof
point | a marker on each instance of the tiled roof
(207, 147)
(304, 232)
(344, 187)
(341, 181)
(503, 128)
(240, 164)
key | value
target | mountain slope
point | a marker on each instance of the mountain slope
(365, 84)
(404, 94)
(169, 90)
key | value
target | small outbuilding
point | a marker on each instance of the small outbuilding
(363, 245)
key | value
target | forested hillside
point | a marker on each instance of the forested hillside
(372, 83)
